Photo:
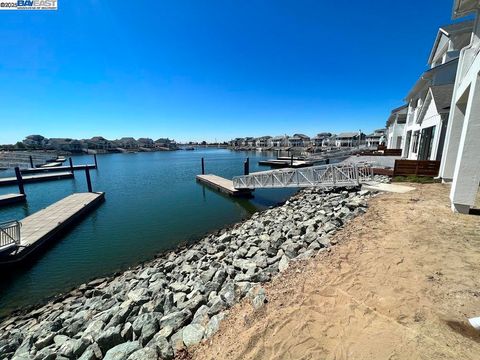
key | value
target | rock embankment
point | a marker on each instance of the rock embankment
(159, 308)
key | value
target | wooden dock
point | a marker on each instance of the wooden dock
(222, 185)
(276, 163)
(45, 225)
(51, 165)
(62, 168)
(8, 199)
(36, 178)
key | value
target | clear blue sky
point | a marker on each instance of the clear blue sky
(213, 69)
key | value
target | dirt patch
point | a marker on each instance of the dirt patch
(400, 284)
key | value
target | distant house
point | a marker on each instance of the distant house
(64, 144)
(249, 142)
(145, 143)
(165, 143)
(349, 139)
(263, 142)
(374, 139)
(395, 127)
(320, 139)
(98, 143)
(237, 142)
(299, 140)
(280, 141)
(127, 143)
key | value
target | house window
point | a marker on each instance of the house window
(416, 136)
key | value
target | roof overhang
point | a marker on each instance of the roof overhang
(426, 77)
(463, 8)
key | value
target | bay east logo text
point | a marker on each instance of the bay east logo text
(29, 5)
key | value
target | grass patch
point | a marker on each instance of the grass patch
(416, 179)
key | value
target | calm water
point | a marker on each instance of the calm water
(152, 204)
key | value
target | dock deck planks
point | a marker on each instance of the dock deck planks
(7, 199)
(45, 224)
(57, 169)
(222, 185)
(286, 163)
(36, 178)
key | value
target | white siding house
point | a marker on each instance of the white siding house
(396, 128)
(374, 139)
(280, 141)
(299, 140)
(263, 142)
(349, 139)
(428, 100)
(461, 155)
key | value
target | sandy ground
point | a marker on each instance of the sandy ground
(400, 284)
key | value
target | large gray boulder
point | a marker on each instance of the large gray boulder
(110, 338)
(147, 353)
(193, 334)
(122, 351)
(176, 319)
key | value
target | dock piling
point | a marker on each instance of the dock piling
(291, 160)
(95, 159)
(89, 181)
(21, 189)
(71, 166)
(31, 161)
(246, 167)
(203, 166)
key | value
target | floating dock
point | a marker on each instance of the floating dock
(51, 165)
(45, 225)
(275, 163)
(36, 178)
(8, 199)
(223, 185)
(63, 168)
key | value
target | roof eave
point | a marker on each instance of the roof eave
(462, 8)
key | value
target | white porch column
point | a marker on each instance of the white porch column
(452, 142)
(466, 177)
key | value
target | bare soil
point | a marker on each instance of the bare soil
(401, 284)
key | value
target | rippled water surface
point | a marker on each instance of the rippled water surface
(152, 204)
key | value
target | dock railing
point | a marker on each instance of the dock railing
(327, 176)
(9, 233)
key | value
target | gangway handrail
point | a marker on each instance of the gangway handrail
(328, 176)
(10, 233)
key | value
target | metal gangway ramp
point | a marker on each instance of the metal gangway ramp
(326, 176)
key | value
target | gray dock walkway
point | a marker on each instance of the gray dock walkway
(223, 185)
(62, 168)
(8, 199)
(36, 178)
(46, 224)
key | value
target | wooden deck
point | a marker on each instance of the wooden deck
(36, 178)
(63, 168)
(8, 199)
(222, 185)
(46, 224)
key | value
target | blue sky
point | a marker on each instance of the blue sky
(212, 69)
